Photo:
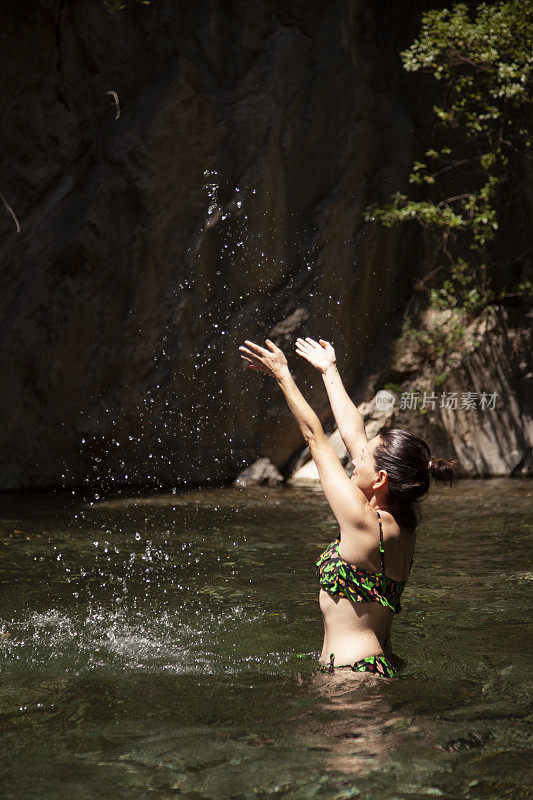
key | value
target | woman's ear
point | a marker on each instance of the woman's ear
(381, 480)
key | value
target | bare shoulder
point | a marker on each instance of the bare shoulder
(391, 529)
(360, 539)
(360, 543)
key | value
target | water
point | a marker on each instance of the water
(165, 646)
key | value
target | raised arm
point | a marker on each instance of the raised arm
(346, 500)
(349, 421)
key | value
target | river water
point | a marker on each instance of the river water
(165, 646)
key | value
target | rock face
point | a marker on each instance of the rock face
(496, 437)
(225, 200)
(481, 414)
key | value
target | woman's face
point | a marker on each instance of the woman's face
(364, 472)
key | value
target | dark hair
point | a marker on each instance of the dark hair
(409, 465)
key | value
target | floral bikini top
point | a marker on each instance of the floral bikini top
(337, 576)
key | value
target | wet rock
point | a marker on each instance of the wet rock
(261, 473)
(496, 439)
(482, 412)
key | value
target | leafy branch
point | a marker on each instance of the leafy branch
(480, 142)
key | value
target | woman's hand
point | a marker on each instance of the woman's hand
(271, 361)
(320, 354)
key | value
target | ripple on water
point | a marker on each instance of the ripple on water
(129, 639)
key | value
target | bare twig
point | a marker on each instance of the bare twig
(457, 59)
(420, 284)
(451, 166)
(449, 200)
(114, 95)
(10, 211)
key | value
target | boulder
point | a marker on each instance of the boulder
(261, 473)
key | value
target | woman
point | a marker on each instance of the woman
(362, 574)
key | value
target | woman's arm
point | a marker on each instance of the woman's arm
(349, 421)
(345, 499)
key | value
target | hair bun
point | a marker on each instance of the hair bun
(442, 470)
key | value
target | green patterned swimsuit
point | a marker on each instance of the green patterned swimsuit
(339, 577)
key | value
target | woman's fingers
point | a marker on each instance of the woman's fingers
(305, 355)
(271, 361)
(273, 349)
(258, 357)
(256, 348)
(244, 349)
(253, 359)
(311, 344)
(305, 352)
(254, 364)
(308, 345)
(270, 344)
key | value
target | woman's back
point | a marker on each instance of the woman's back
(365, 552)
(358, 598)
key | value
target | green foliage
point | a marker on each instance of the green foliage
(485, 65)
(436, 341)
(393, 387)
(524, 289)
(460, 290)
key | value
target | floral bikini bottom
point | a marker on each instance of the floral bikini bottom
(376, 665)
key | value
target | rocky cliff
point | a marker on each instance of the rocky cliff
(186, 175)
(475, 405)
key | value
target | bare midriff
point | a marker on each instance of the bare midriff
(353, 630)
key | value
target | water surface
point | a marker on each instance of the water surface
(165, 646)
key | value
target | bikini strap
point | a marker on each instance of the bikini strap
(381, 548)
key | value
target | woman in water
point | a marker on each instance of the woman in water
(362, 573)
